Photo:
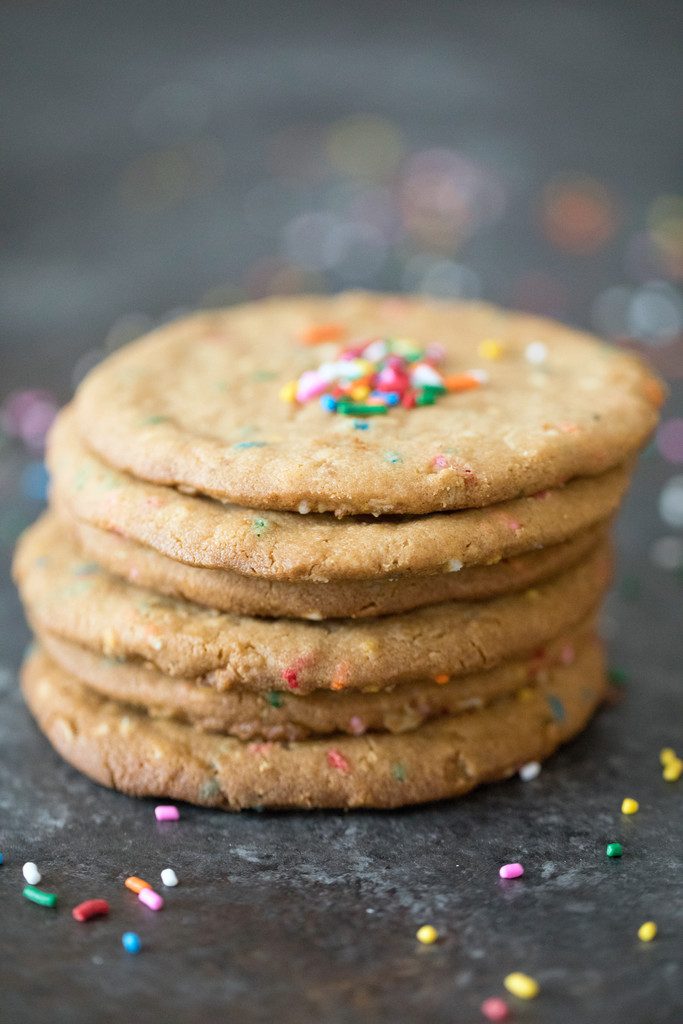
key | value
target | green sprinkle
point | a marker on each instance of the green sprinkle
(250, 444)
(265, 375)
(425, 399)
(153, 421)
(275, 699)
(357, 409)
(433, 389)
(617, 676)
(259, 526)
(614, 850)
(392, 457)
(39, 896)
(209, 789)
(398, 770)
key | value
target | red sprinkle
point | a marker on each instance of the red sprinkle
(91, 908)
(337, 760)
(495, 1009)
(290, 677)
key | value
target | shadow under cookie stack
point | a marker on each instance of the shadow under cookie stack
(330, 551)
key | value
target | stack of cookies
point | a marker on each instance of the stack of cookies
(330, 552)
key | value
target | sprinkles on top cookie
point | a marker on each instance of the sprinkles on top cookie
(371, 377)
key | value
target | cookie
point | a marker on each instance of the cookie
(209, 403)
(81, 602)
(287, 716)
(317, 548)
(124, 748)
(244, 595)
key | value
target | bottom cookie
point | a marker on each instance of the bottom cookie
(123, 748)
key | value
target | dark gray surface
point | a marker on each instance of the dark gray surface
(311, 918)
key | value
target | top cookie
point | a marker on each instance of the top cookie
(208, 403)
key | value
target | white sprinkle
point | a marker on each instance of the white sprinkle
(529, 771)
(483, 376)
(169, 877)
(536, 353)
(455, 565)
(31, 873)
(304, 508)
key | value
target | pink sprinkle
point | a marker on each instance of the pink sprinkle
(541, 495)
(440, 462)
(357, 725)
(166, 812)
(151, 899)
(567, 655)
(337, 760)
(311, 384)
(495, 1009)
(511, 871)
(260, 748)
(513, 525)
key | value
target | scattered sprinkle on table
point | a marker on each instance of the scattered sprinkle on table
(131, 942)
(2, 858)
(521, 985)
(427, 934)
(529, 771)
(166, 812)
(511, 871)
(39, 896)
(629, 805)
(495, 1009)
(90, 908)
(673, 769)
(614, 850)
(666, 754)
(647, 931)
(169, 877)
(31, 873)
(136, 884)
(151, 899)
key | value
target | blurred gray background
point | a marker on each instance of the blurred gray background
(157, 157)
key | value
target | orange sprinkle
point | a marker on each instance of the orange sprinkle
(461, 382)
(441, 679)
(136, 884)
(654, 391)
(316, 334)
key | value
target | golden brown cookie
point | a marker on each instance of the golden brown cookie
(198, 404)
(318, 548)
(245, 595)
(121, 747)
(82, 603)
(279, 715)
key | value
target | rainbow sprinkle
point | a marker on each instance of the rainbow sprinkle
(370, 378)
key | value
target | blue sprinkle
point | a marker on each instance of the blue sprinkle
(360, 425)
(392, 457)
(392, 397)
(557, 707)
(131, 942)
(250, 444)
(34, 481)
(2, 858)
(329, 403)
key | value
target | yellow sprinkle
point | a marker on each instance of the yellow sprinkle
(288, 392)
(666, 754)
(673, 770)
(427, 934)
(526, 693)
(629, 805)
(491, 349)
(521, 985)
(360, 392)
(647, 931)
